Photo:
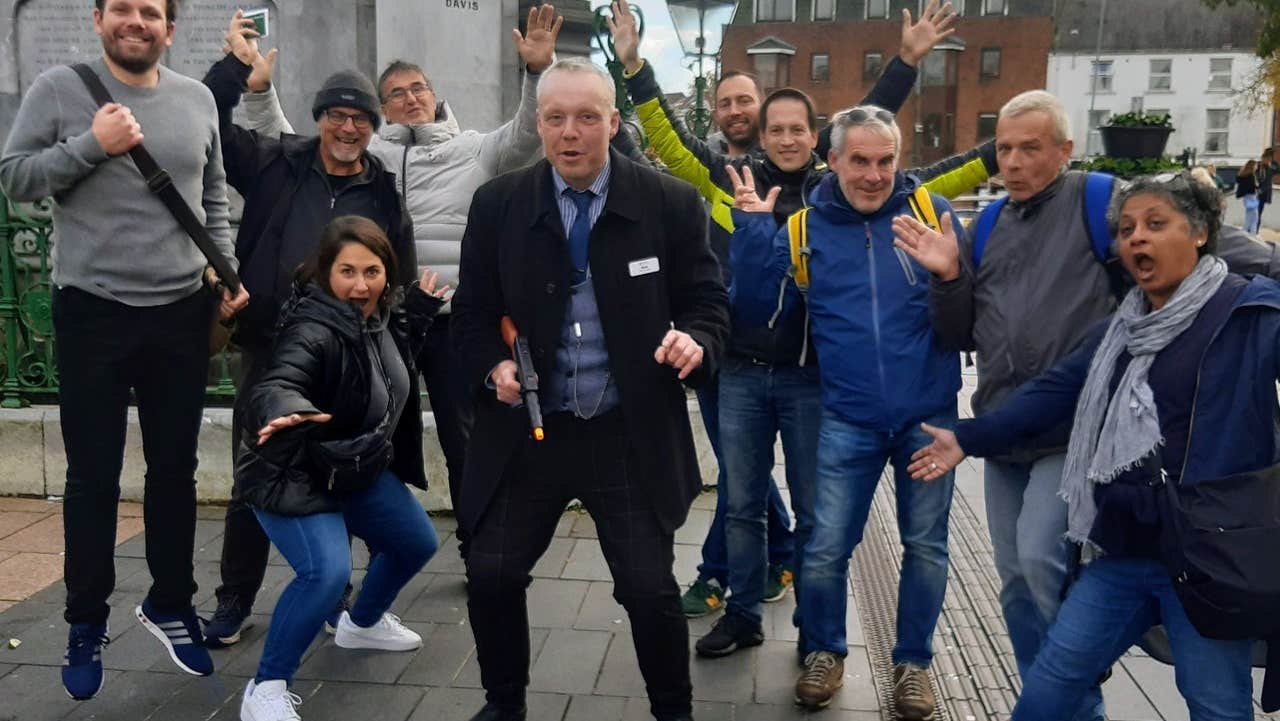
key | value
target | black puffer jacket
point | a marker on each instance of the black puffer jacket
(320, 364)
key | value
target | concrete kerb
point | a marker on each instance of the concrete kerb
(33, 459)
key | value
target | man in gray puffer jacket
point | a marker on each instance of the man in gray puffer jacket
(438, 168)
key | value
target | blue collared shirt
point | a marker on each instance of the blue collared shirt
(569, 211)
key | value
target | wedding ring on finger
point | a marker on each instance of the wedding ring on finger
(933, 466)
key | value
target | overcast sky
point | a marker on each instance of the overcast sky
(660, 46)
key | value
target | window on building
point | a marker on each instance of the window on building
(1217, 126)
(986, 126)
(775, 11)
(995, 7)
(824, 9)
(990, 63)
(872, 64)
(1161, 77)
(773, 70)
(819, 67)
(1219, 74)
(935, 70)
(1097, 118)
(877, 9)
(1102, 75)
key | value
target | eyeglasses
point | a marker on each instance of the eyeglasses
(419, 91)
(862, 115)
(361, 121)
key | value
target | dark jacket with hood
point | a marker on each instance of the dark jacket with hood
(288, 202)
(320, 364)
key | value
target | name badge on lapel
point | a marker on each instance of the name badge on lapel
(644, 266)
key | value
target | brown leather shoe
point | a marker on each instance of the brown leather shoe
(823, 676)
(912, 692)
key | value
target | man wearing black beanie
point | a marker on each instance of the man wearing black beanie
(292, 187)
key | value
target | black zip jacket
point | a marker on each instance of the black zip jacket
(287, 203)
(320, 363)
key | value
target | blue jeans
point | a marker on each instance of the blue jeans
(1252, 214)
(1114, 601)
(851, 460)
(715, 552)
(401, 540)
(757, 402)
(1028, 523)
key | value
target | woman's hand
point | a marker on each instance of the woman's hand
(427, 284)
(289, 421)
(938, 458)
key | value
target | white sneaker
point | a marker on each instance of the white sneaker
(388, 634)
(269, 701)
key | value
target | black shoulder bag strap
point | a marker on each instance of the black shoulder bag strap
(159, 182)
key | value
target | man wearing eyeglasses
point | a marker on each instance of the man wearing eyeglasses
(438, 167)
(292, 187)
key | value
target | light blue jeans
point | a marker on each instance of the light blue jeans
(401, 540)
(851, 460)
(1028, 523)
(1113, 602)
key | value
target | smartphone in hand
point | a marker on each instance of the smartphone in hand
(259, 16)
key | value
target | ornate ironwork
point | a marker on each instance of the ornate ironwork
(30, 369)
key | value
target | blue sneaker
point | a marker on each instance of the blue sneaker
(82, 666)
(228, 621)
(181, 636)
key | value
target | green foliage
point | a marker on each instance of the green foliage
(1139, 120)
(1269, 33)
(1128, 167)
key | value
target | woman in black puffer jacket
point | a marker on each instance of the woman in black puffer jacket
(340, 434)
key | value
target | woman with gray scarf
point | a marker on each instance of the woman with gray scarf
(1177, 387)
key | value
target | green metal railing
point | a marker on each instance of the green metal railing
(30, 370)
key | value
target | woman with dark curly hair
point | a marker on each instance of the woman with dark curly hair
(339, 434)
(1178, 387)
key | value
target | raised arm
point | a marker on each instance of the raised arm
(39, 162)
(515, 144)
(960, 173)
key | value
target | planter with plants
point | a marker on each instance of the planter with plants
(1136, 135)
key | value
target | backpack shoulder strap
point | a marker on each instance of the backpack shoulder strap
(1098, 188)
(921, 203)
(798, 234)
(93, 83)
(1097, 196)
(983, 225)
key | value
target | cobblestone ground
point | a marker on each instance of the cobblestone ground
(584, 666)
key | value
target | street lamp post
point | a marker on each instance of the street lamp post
(700, 26)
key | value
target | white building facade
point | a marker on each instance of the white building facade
(1197, 89)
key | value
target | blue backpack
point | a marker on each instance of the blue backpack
(1097, 196)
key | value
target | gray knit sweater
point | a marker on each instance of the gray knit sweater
(113, 238)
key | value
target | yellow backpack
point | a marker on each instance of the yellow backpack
(798, 231)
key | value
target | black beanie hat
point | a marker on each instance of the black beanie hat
(348, 88)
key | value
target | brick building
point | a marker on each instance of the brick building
(835, 49)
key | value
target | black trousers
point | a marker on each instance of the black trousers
(105, 349)
(245, 547)
(586, 460)
(451, 406)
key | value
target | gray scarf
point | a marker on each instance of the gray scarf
(1111, 437)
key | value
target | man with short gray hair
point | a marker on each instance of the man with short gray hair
(604, 265)
(1023, 301)
(884, 371)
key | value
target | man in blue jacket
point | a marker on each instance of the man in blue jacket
(884, 371)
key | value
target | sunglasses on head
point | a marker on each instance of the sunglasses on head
(861, 115)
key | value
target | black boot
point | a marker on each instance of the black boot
(493, 712)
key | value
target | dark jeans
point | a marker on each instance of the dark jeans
(450, 405)
(586, 460)
(245, 547)
(757, 404)
(105, 349)
(715, 547)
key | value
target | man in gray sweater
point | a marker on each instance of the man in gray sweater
(129, 313)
